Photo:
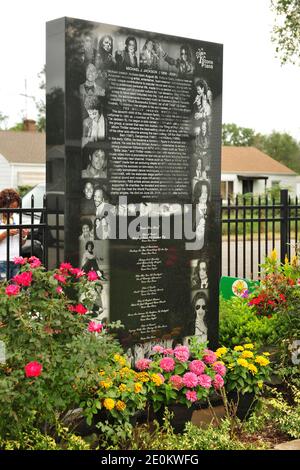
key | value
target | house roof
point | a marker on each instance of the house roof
(250, 160)
(23, 147)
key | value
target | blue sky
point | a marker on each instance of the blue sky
(258, 92)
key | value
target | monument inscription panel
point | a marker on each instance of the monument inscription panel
(137, 115)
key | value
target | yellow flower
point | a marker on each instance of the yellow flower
(138, 387)
(120, 359)
(246, 354)
(260, 383)
(249, 346)
(105, 383)
(109, 403)
(142, 377)
(101, 373)
(221, 351)
(243, 362)
(294, 261)
(273, 255)
(286, 260)
(238, 348)
(262, 361)
(231, 365)
(120, 405)
(252, 368)
(122, 388)
(125, 371)
(266, 353)
(157, 380)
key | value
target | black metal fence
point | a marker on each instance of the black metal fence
(252, 227)
(44, 238)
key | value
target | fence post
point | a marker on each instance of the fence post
(284, 213)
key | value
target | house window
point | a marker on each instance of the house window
(226, 189)
(247, 186)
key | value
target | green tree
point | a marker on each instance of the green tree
(41, 105)
(19, 126)
(237, 136)
(283, 148)
(286, 30)
(3, 119)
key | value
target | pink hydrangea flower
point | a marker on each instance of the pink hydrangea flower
(196, 366)
(12, 289)
(143, 364)
(23, 279)
(190, 379)
(20, 260)
(33, 369)
(182, 353)
(191, 395)
(219, 368)
(167, 364)
(34, 262)
(95, 327)
(218, 381)
(204, 381)
(158, 349)
(60, 278)
(92, 276)
(209, 356)
(176, 381)
(168, 352)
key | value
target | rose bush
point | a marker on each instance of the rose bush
(54, 350)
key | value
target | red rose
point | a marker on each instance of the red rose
(33, 369)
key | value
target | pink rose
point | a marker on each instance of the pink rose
(190, 379)
(209, 356)
(204, 381)
(60, 278)
(158, 349)
(191, 395)
(218, 382)
(33, 369)
(59, 290)
(34, 262)
(167, 364)
(20, 260)
(143, 364)
(12, 289)
(23, 279)
(198, 367)
(65, 267)
(95, 327)
(182, 353)
(176, 381)
(80, 309)
(92, 276)
(219, 368)
(77, 272)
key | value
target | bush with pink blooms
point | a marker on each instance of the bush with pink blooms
(54, 348)
(180, 378)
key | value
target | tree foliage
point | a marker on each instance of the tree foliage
(286, 30)
(280, 146)
(3, 119)
(238, 136)
(41, 105)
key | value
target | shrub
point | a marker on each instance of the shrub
(53, 357)
(239, 323)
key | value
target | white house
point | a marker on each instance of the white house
(22, 158)
(248, 170)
